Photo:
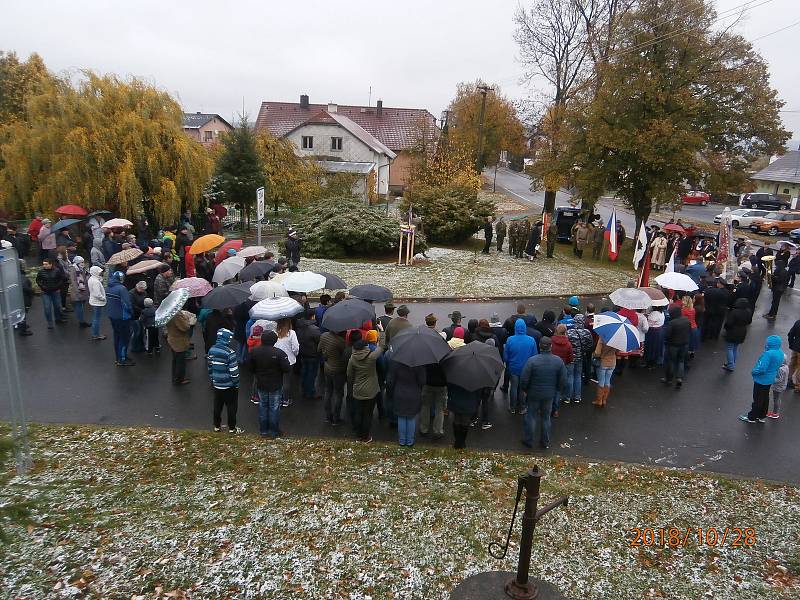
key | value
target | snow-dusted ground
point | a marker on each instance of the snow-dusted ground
(124, 513)
(465, 274)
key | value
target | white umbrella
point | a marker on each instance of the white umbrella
(303, 281)
(632, 298)
(261, 290)
(111, 224)
(676, 281)
(170, 306)
(251, 251)
(228, 269)
(273, 309)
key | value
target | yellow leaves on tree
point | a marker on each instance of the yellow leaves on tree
(502, 128)
(101, 143)
(289, 179)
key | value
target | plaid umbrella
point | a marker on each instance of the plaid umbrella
(197, 286)
(124, 256)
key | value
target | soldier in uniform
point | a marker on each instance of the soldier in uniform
(552, 234)
(500, 229)
(512, 238)
(524, 234)
(597, 241)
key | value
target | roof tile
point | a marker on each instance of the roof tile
(786, 169)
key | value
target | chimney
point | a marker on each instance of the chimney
(304, 101)
(199, 113)
(332, 108)
(379, 108)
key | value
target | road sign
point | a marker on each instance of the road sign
(260, 203)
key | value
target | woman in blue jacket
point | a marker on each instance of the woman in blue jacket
(764, 374)
(120, 311)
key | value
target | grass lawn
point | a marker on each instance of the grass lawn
(140, 513)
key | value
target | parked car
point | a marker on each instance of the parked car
(743, 217)
(777, 222)
(760, 200)
(565, 217)
(695, 197)
(795, 235)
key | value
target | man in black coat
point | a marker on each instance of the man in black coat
(50, 280)
(718, 299)
(676, 339)
(182, 240)
(780, 278)
(488, 234)
(308, 336)
(736, 330)
(794, 346)
(27, 296)
(293, 248)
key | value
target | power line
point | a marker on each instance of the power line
(673, 34)
(795, 24)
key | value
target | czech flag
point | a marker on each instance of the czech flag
(611, 235)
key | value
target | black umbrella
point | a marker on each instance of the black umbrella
(226, 296)
(333, 282)
(257, 268)
(371, 293)
(417, 346)
(98, 212)
(63, 224)
(473, 367)
(347, 314)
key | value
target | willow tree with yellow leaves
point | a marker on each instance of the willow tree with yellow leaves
(104, 143)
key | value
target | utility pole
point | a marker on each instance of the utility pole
(483, 89)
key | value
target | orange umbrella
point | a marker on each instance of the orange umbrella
(72, 210)
(205, 243)
(222, 253)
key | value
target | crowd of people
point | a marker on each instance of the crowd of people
(548, 361)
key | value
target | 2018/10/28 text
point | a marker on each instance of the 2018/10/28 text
(736, 537)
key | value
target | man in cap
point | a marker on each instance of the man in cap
(455, 317)
(384, 321)
(512, 238)
(293, 248)
(397, 324)
(542, 379)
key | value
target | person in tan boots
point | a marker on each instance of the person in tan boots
(608, 361)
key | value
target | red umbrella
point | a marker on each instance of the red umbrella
(72, 210)
(222, 252)
(674, 227)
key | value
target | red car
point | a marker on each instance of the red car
(700, 198)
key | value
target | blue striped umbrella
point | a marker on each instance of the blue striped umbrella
(616, 331)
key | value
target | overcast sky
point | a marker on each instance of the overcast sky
(214, 55)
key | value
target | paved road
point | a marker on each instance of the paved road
(67, 378)
(517, 185)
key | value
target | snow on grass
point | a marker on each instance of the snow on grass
(123, 513)
(462, 273)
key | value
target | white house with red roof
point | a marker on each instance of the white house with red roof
(368, 134)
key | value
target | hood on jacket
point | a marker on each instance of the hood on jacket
(520, 328)
(742, 303)
(773, 343)
(361, 353)
(674, 311)
(96, 271)
(472, 325)
(224, 336)
(549, 316)
(116, 277)
(97, 243)
(579, 320)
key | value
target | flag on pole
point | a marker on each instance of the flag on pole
(670, 268)
(641, 247)
(611, 235)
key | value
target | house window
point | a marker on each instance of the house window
(208, 136)
(785, 190)
(336, 143)
(308, 142)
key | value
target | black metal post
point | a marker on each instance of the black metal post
(519, 588)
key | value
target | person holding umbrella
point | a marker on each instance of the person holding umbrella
(269, 365)
(120, 311)
(332, 348)
(404, 385)
(162, 284)
(178, 340)
(542, 379)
